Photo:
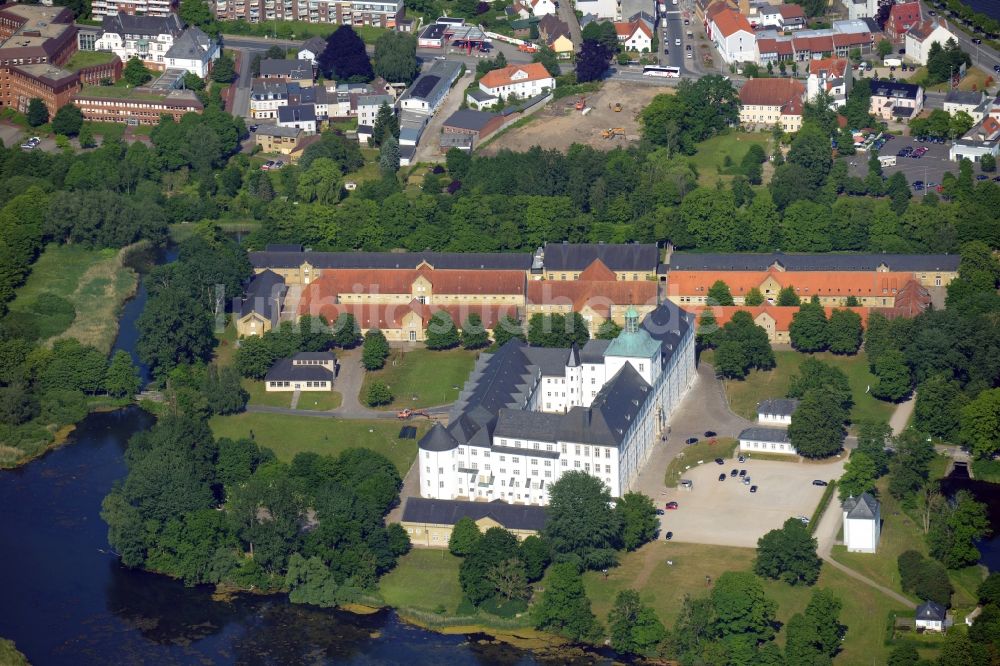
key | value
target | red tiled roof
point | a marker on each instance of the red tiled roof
(817, 44)
(806, 283)
(791, 11)
(502, 77)
(391, 316)
(730, 21)
(911, 300)
(598, 270)
(831, 66)
(599, 295)
(771, 92)
(781, 314)
(626, 30)
(778, 46)
(902, 17)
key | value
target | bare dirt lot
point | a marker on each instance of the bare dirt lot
(726, 513)
(559, 124)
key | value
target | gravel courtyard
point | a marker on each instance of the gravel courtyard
(726, 513)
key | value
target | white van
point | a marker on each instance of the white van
(888, 160)
(892, 62)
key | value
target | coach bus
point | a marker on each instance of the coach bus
(657, 70)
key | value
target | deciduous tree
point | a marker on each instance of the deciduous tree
(817, 427)
(844, 332)
(980, 424)
(378, 394)
(441, 331)
(38, 113)
(396, 57)
(464, 536)
(892, 377)
(122, 379)
(640, 524)
(474, 334)
(634, 627)
(564, 608)
(719, 294)
(375, 350)
(788, 554)
(68, 120)
(859, 476)
(808, 330)
(582, 527)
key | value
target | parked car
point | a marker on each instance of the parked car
(687, 22)
(266, 166)
(690, 54)
(996, 68)
(819, 482)
(666, 51)
(668, 536)
(720, 461)
(742, 459)
(753, 489)
(743, 472)
(976, 40)
(709, 433)
(660, 512)
(805, 521)
(691, 440)
(722, 477)
(253, 128)
(982, 177)
(278, 164)
(688, 48)
(746, 480)
(671, 505)
(734, 472)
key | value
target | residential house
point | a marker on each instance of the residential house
(919, 38)
(266, 97)
(781, 17)
(194, 52)
(299, 116)
(277, 139)
(519, 10)
(895, 100)
(776, 411)
(635, 36)
(556, 34)
(733, 37)
(862, 524)
(311, 50)
(477, 125)
(306, 371)
(148, 38)
(902, 17)
(542, 7)
(973, 102)
(533, 413)
(368, 106)
(931, 616)
(260, 308)
(429, 90)
(761, 439)
(983, 139)
(772, 102)
(862, 9)
(429, 522)
(290, 71)
(477, 98)
(520, 81)
(832, 76)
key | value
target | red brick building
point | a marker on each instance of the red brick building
(135, 106)
(34, 42)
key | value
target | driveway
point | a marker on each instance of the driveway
(703, 408)
(429, 150)
(726, 513)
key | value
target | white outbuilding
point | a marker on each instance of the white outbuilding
(862, 524)
(776, 411)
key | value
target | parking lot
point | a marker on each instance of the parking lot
(726, 513)
(930, 168)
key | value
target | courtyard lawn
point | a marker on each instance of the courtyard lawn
(319, 401)
(705, 451)
(93, 281)
(711, 155)
(287, 435)
(83, 59)
(424, 579)
(260, 396)
(744, 395)
(423, 378)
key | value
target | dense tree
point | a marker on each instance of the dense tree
(634, 627)
(464, 536)
(697, 111)
(592, 61)
(388, 155)
(609, 330)
(787, 296)
(509, 580)
(859, 476)
(980, 424)
(38, 113)
(122, 378)
(549, 60)
(508, 328)
(938, 407)
(378, 393)
(956, 528)
(892, 377)
(536, 554)
(817, 427)
(639, 521)
(924, 578)
(441, 331)
(73, 366)
(345, 330)
(68, 120)
(224, 69)
(136, 73)
(223, 392)
(474, 335)
(754, 297)
(944, 61)
(396, 57)
(844, 332)
(719, 294)
(557, 330)
(495, 546)
(788, 554)
(904, 654)
(817, 374)
(345, 58)
(375, 350)
(386, 125)
(743, 613)
(808, 330)
(909, 468)
(254, 357)
(741, 345)
(582, 527)
(564, 608)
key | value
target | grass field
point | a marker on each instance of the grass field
(287, 435)
(711, 155)
(259, 396)
(975, 79)
(83, 59)
(424, 579)
(320, 401)
(663, 587)
(744, 395)
(689, 457)
(423, 378)
(94, 281)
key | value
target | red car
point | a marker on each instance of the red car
(671, 505)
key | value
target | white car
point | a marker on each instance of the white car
(440, 58)
(677, 41)
(690, 54)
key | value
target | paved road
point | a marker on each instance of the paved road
(428, 150)
(901, 415)
(566, 14)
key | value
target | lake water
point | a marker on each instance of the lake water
(988, 7)
(67, 600)
(988, 494)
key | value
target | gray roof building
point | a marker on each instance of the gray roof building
(193, 44)
(617, 257)
(285, 370)
(969, 97)
(764, 434)
(480, 96)
(145, 26)
(931, 611)
(449, 512)
(778, 406)
(440, 260)
(264, 295)
(286, 69)
(278, 130)
(862, 507)
(300, 113)
(709, 261)
(469, 119)
(431, 86)
(315, 45)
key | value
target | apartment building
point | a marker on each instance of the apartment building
(162, 8)
(380, 13)
(35, 42)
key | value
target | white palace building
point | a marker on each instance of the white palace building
(528, 414)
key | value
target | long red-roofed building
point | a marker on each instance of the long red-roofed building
(774, 319)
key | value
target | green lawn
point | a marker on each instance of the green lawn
(423, 378)
(93, 281)
(744, 395)
(287, 435)
(260, 396)
(83, 59)
(320, 401)
(711, 155)
(423, 579)
(704, 451)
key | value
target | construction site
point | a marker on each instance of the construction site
(604, 119)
